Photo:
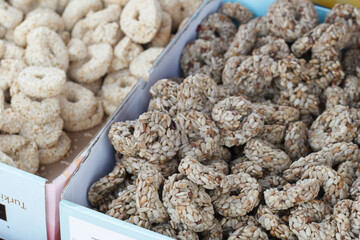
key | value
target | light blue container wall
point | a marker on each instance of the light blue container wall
(22, 203)
(97, 224)
(101, 159)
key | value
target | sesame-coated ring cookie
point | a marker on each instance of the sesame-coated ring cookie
(107, 184)
(148, 201)
(333, 125)
(121, 135)
(202, 175)
(236, 11)
(236, 121)
(198, 92)
(201, 57)
(291, 195)
(248, 191)
(188, 203)
(218, 29)
(158, 136)
(199, 135)
(310, 221)
(164, 96)
(345, 13)
(290, 19)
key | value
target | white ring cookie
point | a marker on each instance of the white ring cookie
(76, 102)
(57, 152)
(124, 52)
(42, 111)
(140, 66)
(84, 124)
(141, 20)
(6, 159)
(45, 48)
(41, 82)
(23, 152)
(44, 135)
(94, 66)
(37, 18)
(162, 37)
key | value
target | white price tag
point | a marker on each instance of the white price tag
(81, 230)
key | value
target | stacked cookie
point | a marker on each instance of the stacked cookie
(66, 63)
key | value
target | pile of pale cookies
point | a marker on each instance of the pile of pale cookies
(64, 64)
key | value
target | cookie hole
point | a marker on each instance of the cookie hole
(156, 139)
(137, 16)
(37, 100)
(39, 76)
(269, 96)
(7, 96)
(123, 84)
(72, 98)
(217, 35)
(52, 53)
(321, 194)
(50, 49)
(131, 129)
(160, 192)
(236, 193)
(297, 16)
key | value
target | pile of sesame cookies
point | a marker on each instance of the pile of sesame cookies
(66, 63)
(258, 141)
